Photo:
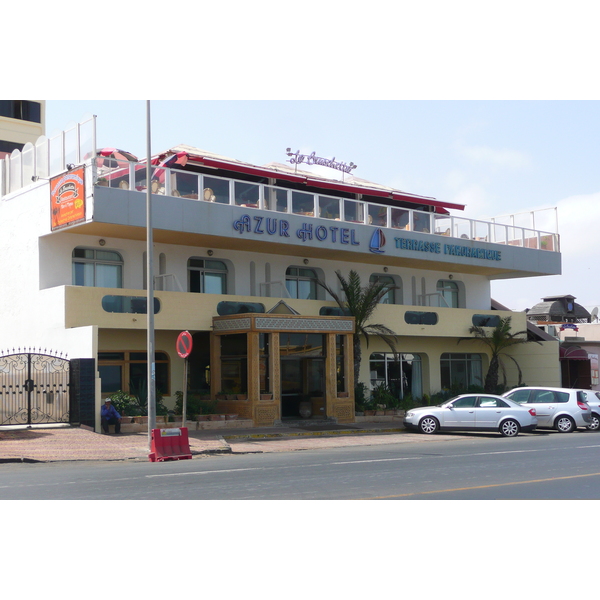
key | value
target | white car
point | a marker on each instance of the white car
(593, 399)
(563, 409)
(473, 412)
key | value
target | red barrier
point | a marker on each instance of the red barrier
(169, 444)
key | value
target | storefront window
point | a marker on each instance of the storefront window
(461, 370)
(264, 374)
(340, 345)
(128, 372)
(403, 376)
(234, 364)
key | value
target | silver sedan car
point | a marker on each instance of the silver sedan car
(473, 412)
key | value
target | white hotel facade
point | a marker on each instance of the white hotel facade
(237, 252)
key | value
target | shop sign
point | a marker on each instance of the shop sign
(67, 198)
(312, 159)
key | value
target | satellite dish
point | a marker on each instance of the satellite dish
(594, 314)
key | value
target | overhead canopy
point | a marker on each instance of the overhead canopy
(572, 353)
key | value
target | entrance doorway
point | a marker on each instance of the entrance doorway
(302, 375)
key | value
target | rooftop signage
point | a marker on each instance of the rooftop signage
(312, 159)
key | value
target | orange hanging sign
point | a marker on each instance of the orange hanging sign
(67, 198)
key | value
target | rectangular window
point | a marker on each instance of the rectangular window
(460, 371)
(216, 190)
(25, 110)
(128, 372)
(403, 377)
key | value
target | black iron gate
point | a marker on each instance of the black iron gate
(34, 388)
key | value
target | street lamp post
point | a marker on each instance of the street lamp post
(150, 287)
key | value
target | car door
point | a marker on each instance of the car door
(460, 414)
(544, 402)
(489, 411)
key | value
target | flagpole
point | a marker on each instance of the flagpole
(150, 287)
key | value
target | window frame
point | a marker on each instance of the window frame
(298, 278)
(95, 261)
(224, 272)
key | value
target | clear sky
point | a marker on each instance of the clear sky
(495, 157)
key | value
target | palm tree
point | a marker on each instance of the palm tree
(360, 302)
(499, 341)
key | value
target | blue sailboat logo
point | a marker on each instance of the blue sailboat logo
(377, 241)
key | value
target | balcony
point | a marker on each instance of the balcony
(177, 311)
(282, 201)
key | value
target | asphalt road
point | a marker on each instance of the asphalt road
(476, 467)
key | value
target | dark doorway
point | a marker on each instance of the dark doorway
(302, 380)
(199, 364)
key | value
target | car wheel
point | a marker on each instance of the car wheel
(564, 424)
(509, 428)
(428, 425)
(595, 424)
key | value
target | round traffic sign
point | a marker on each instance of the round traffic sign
(184, 344)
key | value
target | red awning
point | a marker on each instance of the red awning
(572, 353)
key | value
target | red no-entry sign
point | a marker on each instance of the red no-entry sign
(184, 344)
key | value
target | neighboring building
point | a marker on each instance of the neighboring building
(21, 121)
(579, 336)
(238, 249)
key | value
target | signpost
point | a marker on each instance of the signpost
(184, 348)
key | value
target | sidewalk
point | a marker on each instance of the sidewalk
(50, 444)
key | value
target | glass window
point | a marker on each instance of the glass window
(519, 396)
(128, 304)
(485, 320)
(216, 190)
(234, 364)
(488, 402)
(415, 317)
(354, 212)
(128, 372)
(276, 199)
(467, 402)
(303, 204)
(329, 208)
(461, 370)
(377, 215)
(25, 110)
(421, 222)
(302, 345)
(340, 341)
(400, 218)
(263, 368)
(390, 295)
(301, 283)
(246, 194)
(448, 291)
(403, 376)
(207, 276)
(97, 268)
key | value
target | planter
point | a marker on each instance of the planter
(343, 394)
(242, 396)
(379, 413)
(305, 410)
(266, 396)
(391, 412)
(202, 418)
(369, 413)
(216, 417)
(231, 417)
(231, 396)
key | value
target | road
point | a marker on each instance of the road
(472, 467)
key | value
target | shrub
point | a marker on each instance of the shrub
(196, 404)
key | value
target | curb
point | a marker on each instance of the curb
(262, 436)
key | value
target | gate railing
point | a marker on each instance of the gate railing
(34, 387)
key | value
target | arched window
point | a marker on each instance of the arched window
(448, 291)
(97, 268)
(301, 283)
(207, 276)
(390, 296)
